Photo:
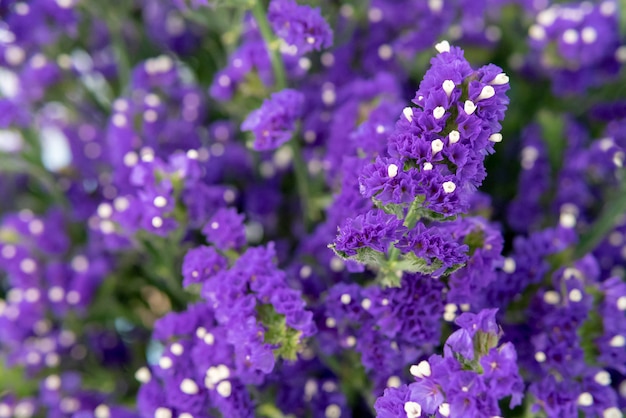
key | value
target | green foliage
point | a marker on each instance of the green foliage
(277, 333)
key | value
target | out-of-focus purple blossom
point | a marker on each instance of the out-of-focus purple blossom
(299, 26)
(274, 123)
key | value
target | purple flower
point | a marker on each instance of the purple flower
(274, 123)
(375, 229)
(302, 27)
(225, 230)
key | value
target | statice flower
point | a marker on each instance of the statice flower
(375, 230)
(475, 372)
(274, 123)
(301, 27)
(576, 44)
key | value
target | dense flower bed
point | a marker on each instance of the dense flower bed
(240, 208)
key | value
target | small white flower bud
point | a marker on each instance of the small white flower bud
(421, 370)
(408, 114)
(427, 166)
(509, 265)
(444, 409)
(448, 87)
(496, 137)
(438, 112)
(540, 356)
(500, 79)
(189, 387)
(551, 297)
(602, 378)
(575, 295)
(486, 93)
(413, 409)
(469, 107)
(443, 46)
(449, 187)
(436, 146)
(617, 341)
(346, 299)
(392, 170)
(454, 137)
(570, 36)
(585, 399)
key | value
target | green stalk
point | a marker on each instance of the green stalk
(278, 67)
(610, 216)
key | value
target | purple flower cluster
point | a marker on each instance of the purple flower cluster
(474, 373)
(173, 171)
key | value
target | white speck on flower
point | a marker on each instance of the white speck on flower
(612, 412)
(331, 323)
(469, 107)
(620, 54)
(56, 294)
(143, 375)
(223, 80)
(332, 411)
(224, 389)
(305, 272)
(618, 159)
(589, 35)
(102, 411)
(14, 55)
(209, 339)
(392, 170)
(130, 159)
(617, 341)
(497, 137)
(487, 92)
(448, 87)
(177, 349)
(393, 382)
(536, 32)
(72, 297)
(375, 14)
(444, 409)
(413, 409)
(32, 295)
(575, 295)
(163, 413)
(435, 6)
(621, 303)
(500, 79)
(421, 370)
(438, 112)
(69, 405)
(119, 120)
(350, 341)
(366, 303)
(570, 36)
(585, 399)
(160, 201)
(337, 264)
(380, 129)
(551, 297)
(540, 356)
(105, 210)
(607, 8)
(157, 222)
(443, 46)
(427, 166)
(8, 251)
(602, 378)
(346, 299)
(53, 382)
(454, 137)
(436, 146)
(328, 94)
(189, 387)
(327, 59)
(304, 63)
(385, 52)
(567, 220)
(310, 389)
(165, 363)
(449, 187)
(509, 265)
(28, 265)
(408, 113)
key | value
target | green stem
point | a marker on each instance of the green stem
(258, 11)
(302, 182)
(610, 216)
(278, 67)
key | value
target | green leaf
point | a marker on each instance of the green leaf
(278, 333)
(390, 208)
(415, 212)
